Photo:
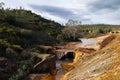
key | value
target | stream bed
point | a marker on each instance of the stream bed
(61, 72)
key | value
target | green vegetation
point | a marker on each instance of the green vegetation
(21, 73)
(24, 28)
(22, 31)
(97, 29)
(72, 33)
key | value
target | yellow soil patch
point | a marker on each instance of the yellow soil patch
(103, 64)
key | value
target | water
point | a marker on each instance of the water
(86, 42)
(61, 72)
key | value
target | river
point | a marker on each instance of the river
(60, 70)
(59, 62)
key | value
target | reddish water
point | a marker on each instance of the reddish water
(59, 62)
(60, 70)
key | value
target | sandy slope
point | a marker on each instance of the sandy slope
(103, 64)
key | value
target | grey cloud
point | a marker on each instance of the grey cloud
(104, 4)
(56, 11)
(60, 12)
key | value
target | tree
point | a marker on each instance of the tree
(1, 5)
(69, 33)
(72, 22)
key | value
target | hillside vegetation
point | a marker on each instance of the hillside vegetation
(22, 31)
(73, 33)
(24, 28)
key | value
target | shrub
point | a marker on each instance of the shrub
(17, 48)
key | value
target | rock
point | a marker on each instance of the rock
(46, 65)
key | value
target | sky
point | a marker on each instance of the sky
(86, 11)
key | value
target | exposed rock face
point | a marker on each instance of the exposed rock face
(84, 50)
(71, 66)
(105, 41)
(46, 65)
(45, 69)
(60, 53)
(103, 64)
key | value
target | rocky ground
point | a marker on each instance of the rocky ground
(103, 64)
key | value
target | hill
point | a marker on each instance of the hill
(27, 29)
(22, 32)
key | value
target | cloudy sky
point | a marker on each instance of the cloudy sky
(87, 11)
